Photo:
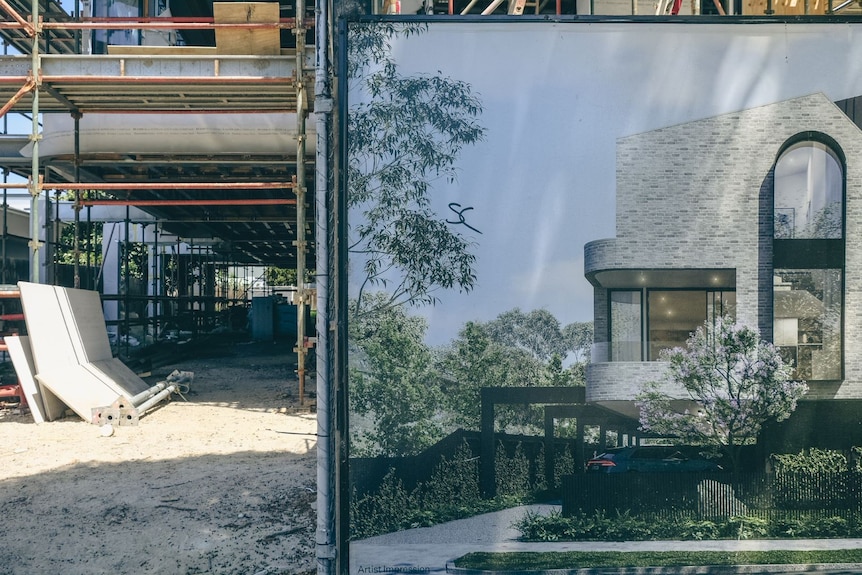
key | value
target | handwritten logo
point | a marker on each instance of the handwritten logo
(457, 209)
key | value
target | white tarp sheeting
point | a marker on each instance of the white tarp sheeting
(172, 134)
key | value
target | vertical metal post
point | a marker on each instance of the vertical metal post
(5, 278)
(189, 284)
(487, 473)
(35, 177)
(56, 238)
(550, 451)
(77, 241)
(47, 234)
(157, 266)
(299, 190)
(338, 322)
(5, 226)
(126, 282)
(327, 460)
(144, 321)
(88, 246)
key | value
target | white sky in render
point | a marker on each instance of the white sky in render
(557, 97)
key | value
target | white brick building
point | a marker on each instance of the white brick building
(757, 214)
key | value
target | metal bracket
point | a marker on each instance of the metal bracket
(119, 413)
(326, 551)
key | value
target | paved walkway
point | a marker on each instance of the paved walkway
(427, 550)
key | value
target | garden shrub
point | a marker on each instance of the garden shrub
(452, 492)
(788, 527)
(552, 527)
(390, 508)
(745, 527)
(564, 464)
(624, 526)
(512, 473)
(599, 526)
(811, 460)
(824, 527)
(697, 529)
(454, 483)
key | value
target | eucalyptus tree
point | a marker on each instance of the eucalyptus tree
(404, 133)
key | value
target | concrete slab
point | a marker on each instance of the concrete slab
(49, 337)
(85, 321)
(118, 372)
(44, 405)
(25, 371)
(79, 389)
(71, 351)
(82, 312)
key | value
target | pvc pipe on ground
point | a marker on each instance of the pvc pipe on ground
(146, 394)
(156, 399)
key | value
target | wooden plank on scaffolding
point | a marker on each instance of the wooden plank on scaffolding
(258, 42)
(133, 50)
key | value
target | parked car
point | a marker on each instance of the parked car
(651, 458)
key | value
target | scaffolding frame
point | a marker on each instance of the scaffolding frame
(181, 83)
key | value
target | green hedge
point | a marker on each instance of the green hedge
(626, 527)
(452, 492)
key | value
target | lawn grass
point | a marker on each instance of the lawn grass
(576, 559)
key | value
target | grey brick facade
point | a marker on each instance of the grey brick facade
(699, 196)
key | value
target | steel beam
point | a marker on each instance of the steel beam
(243, 186)
(211, 202)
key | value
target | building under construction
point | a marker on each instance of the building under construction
(166, 160)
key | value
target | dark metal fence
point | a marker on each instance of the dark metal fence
(713, 495)
(366, 473)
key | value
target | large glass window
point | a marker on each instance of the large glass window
(807, 315)
(626, 326)
(809, 186)
(808, 258)
(675, 314)
(639, 333)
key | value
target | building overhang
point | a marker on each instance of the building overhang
(664, 278)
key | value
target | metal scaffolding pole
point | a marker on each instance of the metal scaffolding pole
(35, 178)
(5, 228)
(299, 190)
(157, 276)
(77, 241)
(327, 460)
(210, 202)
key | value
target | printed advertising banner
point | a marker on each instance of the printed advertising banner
(539, 214)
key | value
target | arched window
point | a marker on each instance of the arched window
(808, 257)
(809, 186)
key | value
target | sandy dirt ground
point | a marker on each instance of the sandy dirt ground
(222, 483)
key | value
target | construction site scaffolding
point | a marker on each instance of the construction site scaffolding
(124, 78)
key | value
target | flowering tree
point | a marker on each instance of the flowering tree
(738, 382)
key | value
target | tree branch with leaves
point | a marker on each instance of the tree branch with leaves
(404, 134)
(737, 381)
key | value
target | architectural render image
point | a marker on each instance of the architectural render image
(756, 215)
